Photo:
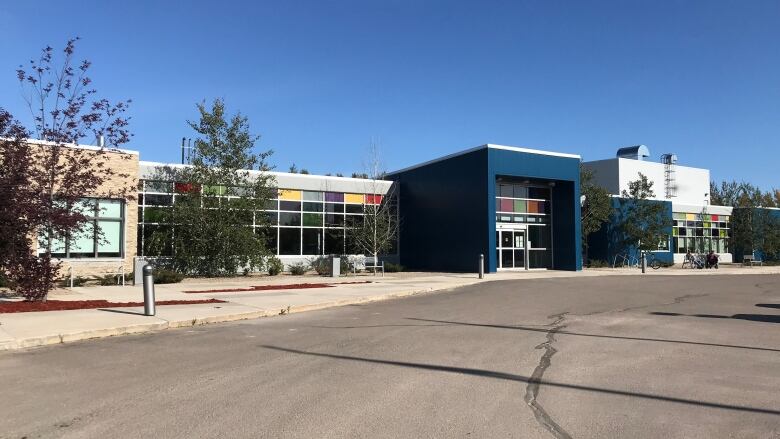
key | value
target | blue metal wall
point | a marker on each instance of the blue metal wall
(442, 209)
(605, 244)
(447, 208)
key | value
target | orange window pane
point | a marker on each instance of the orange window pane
(353, 198)
(289, 195)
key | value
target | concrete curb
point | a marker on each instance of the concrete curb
(197, 321)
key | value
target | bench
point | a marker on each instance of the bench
(752, 260)
(360, 262)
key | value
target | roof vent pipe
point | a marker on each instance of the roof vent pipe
(101, 141)
(637, 152)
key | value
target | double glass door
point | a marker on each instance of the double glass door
(511, 248)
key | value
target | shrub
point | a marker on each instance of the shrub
(297, 269)
(393, 268)
(597, 263)
(78, 281)
(163, 276)
(275, 266)
(321, 264)
(107, 280)
(4, 282)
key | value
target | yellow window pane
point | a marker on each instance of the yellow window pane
(290, 195)
(691, 217)
(353, 198)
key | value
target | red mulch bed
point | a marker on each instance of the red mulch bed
(276, 287)
(63, 305)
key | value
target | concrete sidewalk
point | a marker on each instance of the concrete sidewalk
(22, 330)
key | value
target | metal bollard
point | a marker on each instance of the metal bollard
(481, 266)
(148, 290)
(644, 262)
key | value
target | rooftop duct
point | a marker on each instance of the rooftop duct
(638, 152)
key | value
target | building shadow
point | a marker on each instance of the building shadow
(768, 305)
(524, 379)
(763, 318)
(614, 337)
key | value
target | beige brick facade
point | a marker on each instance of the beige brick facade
(124, 164)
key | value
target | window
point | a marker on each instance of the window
(700, 232)
(101, 236)
(289, 241)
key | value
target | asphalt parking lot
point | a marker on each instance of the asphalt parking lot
(589, 357)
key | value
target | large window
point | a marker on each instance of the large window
(102, 236)
(700, 233)
(526, 206)
(300, 223)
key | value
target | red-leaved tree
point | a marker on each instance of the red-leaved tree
(41, 172)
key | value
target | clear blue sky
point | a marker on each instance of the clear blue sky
(318, 79)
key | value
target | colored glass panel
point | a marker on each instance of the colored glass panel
(334, 197)
(312, 196)
(715, 218)
(520, 206)
(312, 220)
(506, 205)
(373, 199)
(214, 190)
(690, 216)
(353, 198)
(184, 188)
(533, 207)
(290, 195)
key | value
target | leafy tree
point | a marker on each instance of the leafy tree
(596, 207)
(42, 178)
(293, 169)
(220, 196)
(752, 227)
(376, 232)
(643, 222)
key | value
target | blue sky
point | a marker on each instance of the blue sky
(319, 79)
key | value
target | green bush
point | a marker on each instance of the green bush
(163, 276)
(275, 266)
(393, 268)
(321, 264)
(4, 282)
(297, 269)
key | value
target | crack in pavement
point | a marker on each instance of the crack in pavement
(532, 389)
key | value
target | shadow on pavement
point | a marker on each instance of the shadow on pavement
(764, 318)
(616, 337)
(768, 305)
(120, 311)
(523, 379)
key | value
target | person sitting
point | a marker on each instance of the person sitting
(712, 260)
(690, 260)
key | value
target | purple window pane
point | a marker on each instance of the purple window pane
(334, 197)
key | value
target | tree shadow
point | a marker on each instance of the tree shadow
(524, 379)
(763, 318)
(616, 337)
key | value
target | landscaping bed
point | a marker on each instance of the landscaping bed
(63, 305)
(276, 287)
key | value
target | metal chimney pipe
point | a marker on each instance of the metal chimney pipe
(101, 141)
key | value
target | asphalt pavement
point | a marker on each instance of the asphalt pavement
(594, 357)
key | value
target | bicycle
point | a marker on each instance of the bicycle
(652, 261)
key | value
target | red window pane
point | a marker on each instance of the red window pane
(715, 217)
(506, 205)
(184, 188)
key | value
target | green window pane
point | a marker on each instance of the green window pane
(111, 239)
(85, 206)
(520, 206)
(214, 190)
(110, 208)
(83, 242)
(154, 214)
(312, 220)
(707, 225)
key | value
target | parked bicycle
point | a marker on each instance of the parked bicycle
(652, 261)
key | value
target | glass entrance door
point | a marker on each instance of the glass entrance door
(511, 248)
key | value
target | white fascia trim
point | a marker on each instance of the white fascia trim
(272, 173)
(78, 146)
(535, 151)
(487, 146)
